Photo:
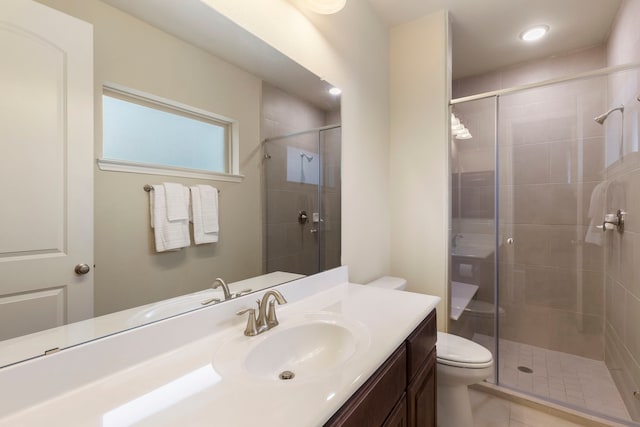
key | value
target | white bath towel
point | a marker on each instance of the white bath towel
(197, 212)
(596, 214)
(169, 235)
(209, 198)
(177, 206)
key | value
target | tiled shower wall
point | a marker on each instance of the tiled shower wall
(291, 246)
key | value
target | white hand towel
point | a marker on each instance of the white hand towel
(169, 235)
(177, 206)
(209, 198)
(199, 234)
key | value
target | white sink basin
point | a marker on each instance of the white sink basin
(309, 346)
(173, 306)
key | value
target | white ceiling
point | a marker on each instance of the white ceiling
(197, 23)
(485, 32)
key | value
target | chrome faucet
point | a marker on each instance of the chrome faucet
(225, 289)
(454, 240)
(266, 319)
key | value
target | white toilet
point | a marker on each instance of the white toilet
(461, 362)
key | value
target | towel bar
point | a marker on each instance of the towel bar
(148, 188)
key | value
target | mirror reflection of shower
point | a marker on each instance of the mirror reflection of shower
(302, 157)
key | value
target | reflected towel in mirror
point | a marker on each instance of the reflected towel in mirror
(209, 206)
(169, 235)
(177, 207)
(204, 210)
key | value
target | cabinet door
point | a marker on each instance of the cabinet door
(371, 405)
(420, 344)
(421, 395)
(398, 417)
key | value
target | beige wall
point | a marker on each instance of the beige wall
(623, 45)
(128, 271)
(350, 50)
(531, 72)
(419, 155)
(622, 345)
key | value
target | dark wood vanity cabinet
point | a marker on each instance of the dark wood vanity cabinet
(402, 392)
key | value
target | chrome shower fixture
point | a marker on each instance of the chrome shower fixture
(306, 156)
(602, 117)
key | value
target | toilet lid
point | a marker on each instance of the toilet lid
(453, 350)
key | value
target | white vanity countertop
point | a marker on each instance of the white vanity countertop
(28, 346)
(182, 387)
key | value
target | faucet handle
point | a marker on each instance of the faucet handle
(211, 300)
(241, 293)
(251, 328)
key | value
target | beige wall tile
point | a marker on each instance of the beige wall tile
(632, 320)
(616, 307)
(531, 245)
(531, 164)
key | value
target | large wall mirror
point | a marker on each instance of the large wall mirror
(279, 215)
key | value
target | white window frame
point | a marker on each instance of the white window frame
(233, 151)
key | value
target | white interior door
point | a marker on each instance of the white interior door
(46, 169)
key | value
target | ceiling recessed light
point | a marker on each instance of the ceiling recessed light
(534, 33)
(335, 91)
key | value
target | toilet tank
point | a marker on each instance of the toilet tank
(389, 282)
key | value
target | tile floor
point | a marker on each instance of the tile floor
(566, 378)
(492, 411)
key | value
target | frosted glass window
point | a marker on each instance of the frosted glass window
(145, 131)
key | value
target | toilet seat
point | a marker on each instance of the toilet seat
(460, 352)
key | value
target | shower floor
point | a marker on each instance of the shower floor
(563, 377)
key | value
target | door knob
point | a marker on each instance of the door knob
(82, 269)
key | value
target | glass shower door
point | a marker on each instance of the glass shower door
(563, 323)
(552, 258)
